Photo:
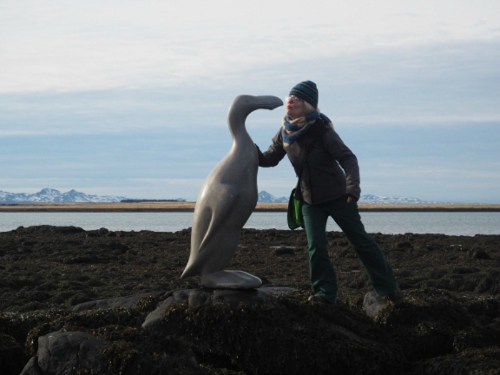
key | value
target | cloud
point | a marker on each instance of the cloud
(65, 47)
(133, 96)
(432, 85)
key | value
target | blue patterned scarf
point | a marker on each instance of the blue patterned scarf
(294, 129)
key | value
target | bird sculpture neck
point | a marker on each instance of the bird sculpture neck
(236, 120)
(242, 106)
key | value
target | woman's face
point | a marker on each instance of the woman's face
(295, 107)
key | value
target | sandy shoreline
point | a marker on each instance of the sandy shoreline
(262, 207)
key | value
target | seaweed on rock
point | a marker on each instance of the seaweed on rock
(85, 321)
(450, 323)
(433, 323)
(131, 351)
(290, 337)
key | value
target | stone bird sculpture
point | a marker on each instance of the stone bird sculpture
(226, 201)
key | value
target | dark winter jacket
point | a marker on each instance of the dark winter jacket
(331, 170)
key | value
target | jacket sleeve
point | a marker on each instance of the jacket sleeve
(274, 154)
(347, 160)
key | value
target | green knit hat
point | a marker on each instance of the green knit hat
(306, 91)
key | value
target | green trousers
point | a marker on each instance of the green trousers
(346, 215)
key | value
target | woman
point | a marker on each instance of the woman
(329, 187)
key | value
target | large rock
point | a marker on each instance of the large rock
(117, 350)
(270, 330)
(199, 297)
(67, 353)
(373, 304)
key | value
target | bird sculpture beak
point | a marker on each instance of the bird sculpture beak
(268, 101)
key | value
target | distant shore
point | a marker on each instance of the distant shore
(261, 207)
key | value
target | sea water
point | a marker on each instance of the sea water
(449, 223)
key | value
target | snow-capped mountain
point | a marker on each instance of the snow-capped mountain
(55, 196)
(375, 199)
(265, 197)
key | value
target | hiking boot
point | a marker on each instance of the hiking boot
(319, 300)
(397, 297)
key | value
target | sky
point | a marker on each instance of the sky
(130, 97)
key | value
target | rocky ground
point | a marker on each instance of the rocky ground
(450, 323)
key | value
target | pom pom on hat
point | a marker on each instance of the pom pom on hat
(306, 91)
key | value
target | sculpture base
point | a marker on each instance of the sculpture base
(230, 280)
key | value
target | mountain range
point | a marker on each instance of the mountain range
(375, 199)
(265, 197)
(52, 195)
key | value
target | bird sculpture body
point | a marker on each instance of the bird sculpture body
(226, 201)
